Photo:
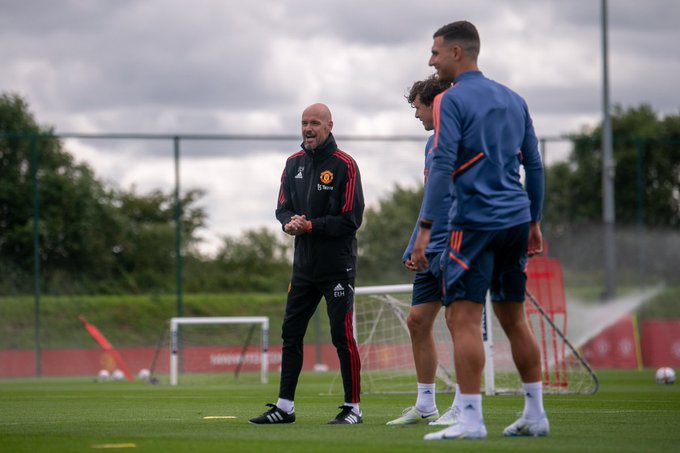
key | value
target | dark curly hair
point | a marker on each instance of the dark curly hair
(427, 89)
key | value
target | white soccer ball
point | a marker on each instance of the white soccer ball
(117, 375)
(103, 375)
(144, 374)
(665, 375)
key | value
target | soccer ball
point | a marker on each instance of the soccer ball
(117, 375)
(144, 374)
(665, 375)
(103, 376)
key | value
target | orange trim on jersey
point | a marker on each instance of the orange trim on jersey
(468, 164)
(436, 107)
(436, 114)
(456, 240)
(455, 243)
(459, 261)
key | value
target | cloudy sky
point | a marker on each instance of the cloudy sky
(239, 67)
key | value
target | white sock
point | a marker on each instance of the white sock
(456, 397)
(425, 403)
(533, 400)
(355, 407)
(286, 406)
(471, 410)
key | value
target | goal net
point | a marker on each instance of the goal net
(197, 348)
(384, 343)
(387, 358)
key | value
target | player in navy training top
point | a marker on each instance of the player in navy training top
(484, 133)
(426, 301)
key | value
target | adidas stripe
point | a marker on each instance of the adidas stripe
(274, 418)
(351, 418)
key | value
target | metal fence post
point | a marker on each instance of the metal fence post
(36, 253)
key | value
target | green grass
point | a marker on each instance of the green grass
(630, 413)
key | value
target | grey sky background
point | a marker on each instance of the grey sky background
(238, 67)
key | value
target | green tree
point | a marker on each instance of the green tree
(647, 183)
(646, 149)
(73, 203)
(258, 260)
(145, 242)
(92, 238)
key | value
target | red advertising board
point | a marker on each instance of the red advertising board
(88, 362)
(614, 347)
(661, 343)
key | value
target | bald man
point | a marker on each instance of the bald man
(321, 204)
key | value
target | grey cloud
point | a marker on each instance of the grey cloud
(228, 66)
(130, 55)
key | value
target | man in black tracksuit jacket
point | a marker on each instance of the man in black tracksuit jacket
(320, 203)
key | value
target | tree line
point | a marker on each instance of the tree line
(95, 238)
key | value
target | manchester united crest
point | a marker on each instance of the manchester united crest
(326, 177)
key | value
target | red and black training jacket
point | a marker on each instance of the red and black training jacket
(325, 186)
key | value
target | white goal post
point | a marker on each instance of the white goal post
(175, 324)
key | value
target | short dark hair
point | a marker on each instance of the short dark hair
(462, 32)
(427, 89)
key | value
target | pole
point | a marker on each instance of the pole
(176, 336)
(642, 230)
(178, 234)
(36, 254)
(608, 171)
(544, 151)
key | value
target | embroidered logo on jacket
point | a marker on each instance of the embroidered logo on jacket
(326, 177)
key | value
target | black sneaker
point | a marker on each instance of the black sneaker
(347, 416)
(273, 416)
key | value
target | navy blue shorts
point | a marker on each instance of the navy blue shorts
(427, 285)
(478, 261)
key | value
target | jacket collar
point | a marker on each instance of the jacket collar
(468, 75)
(324, 150)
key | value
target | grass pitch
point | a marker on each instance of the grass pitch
(630, 413)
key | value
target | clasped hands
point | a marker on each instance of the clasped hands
(298, 225)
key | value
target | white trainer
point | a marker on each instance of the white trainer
(411, 416)
(448, 418)
(524, 427)
(458, 431)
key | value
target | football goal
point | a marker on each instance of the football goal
(387, 359)
(215, 344)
